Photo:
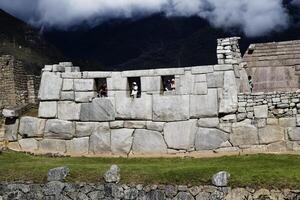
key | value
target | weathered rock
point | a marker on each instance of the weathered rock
(58, 174)
(294, 134)
(53, 188)
(84, 85)
(197, 102)
(209, 139)
(59, 129)
(287, 122)
(170, 108)
(83, 97)
(29, 144)
(116, 124)
(270, 134)
(244, 133)
(180, 135)
(84, 129)
(135, 124)
(78, 146)
(238, 193)
(68, 110)
(208, 122)
(100, 110)
(112, 175)
(11, 129)
(203, 196)
(277, 147)
(50, 91)
(100, 140)
(221, 179)
(155, 194)
(32, 127)
(170, 191)
(121, 140)
(184, 196)
(145, 141)
(261, 111)
(48, 109)
(67, 95)
(52, 146)
(133, 108)
(228, 99)
(155, 126)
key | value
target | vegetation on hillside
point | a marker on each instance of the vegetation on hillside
(270, 171)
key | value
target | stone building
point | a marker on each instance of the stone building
(274, 66)
(17, 87)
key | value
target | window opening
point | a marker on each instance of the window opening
(101, 87)
(168, 83)
(135, 87)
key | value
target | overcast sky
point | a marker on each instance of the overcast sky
(253, 17)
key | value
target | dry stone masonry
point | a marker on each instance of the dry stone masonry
(211, 110)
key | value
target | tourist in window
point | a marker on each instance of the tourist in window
(134, 90)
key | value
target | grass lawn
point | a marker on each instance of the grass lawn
(270, 171)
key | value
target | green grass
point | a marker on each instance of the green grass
(270, 171)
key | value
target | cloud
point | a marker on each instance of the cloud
(253, 17)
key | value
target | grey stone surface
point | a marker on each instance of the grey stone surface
(151, 84)
(145, 141)
(121, 140)
(84, 97)
(67, 95)
(84, 129)
(52, 146)
(209, 139)
(208, 122)
(215, 80)
(78, 146)
(112, 175)
(294, 133)
(136, 109)
(117, 82)
(270, 134)
(135, 124)
(200, 88)
(116, 124)
(58, 174)
(101, 109)
(68, 84)
(203, 69)
(100, 140)
(59, 129)
(155, 126)
(287, 122)
(32, 127)
(84, 85)
(197, 102)
(244, 133)
(261, 111)
(50, 91)
(11, 129)
(68, 110)
(298, 120)
(228, 98)
(28, 144)
(48, 109)
(184, 196)
(221, 179)
(180, 135)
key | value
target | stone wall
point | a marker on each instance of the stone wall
(206, 113)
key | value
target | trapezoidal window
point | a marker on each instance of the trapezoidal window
(168, 83)
(134, 84)
(101, 87)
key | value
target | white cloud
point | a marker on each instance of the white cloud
(253, 17)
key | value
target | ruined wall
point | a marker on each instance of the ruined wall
(206, 112)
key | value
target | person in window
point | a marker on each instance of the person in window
(168, 85)
(173, 87)
(250, 83)
(134, 90)
(103, 90)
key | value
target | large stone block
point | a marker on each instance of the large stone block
(117, 82)
(32, 127)
(11, 129)
(270, 134)
(29, 145)
(203, 69)
(84, 85)
(155, 126)
(294, 133)
(67, 96)
(204, 105)
(287, 122)
(209, 139)
(78, 146)
(180, 135)
(50, 86)
(101, 109)
(185, 83)
(135, 124)
(151, 84)
(244, 133)
(145, 141)
(137, 108)
(200, 88)
(121, 140)
(68, 84)
(228, 97)
(208, 122)
(84, 129)
(52, 146)
(170, 108)
(48, 109)
(59, 129)
(261, 112)
(100, 140)
(85, 96)
(215, 80)
(68, 110)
